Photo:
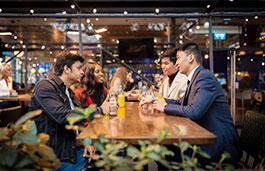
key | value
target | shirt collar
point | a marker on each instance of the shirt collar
(191, 73)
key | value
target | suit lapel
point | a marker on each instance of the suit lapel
(190, 84)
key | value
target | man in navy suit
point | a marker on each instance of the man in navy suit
(204, 102)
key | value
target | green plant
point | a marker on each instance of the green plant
(118, 155)
(191, 162)
(21, 148)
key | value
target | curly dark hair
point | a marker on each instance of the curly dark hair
(90, 84)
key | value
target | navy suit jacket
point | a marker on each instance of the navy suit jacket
(204, 102)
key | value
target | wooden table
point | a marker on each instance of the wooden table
(19, 98)
(133, 124)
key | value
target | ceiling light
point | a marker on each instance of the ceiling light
(246, 19)
(256, 17)
(21, 42)
(208, 6)
(231, 0)
(101, 30)
(157, 10)
(50, 52)
(5, 33)
(90, 28)
(0, 10)
(31, 11)
(197, 27)
(180, 41)
(15, 37)
(6, 45)
(181, 37)
(13, 47)
(125, 12)
(72, 6)
(190, 30)
(88, 20)
(42, 47)
(206, 24)
(206, 56)
(98, 36)
(72, 32)
(45, 19)
(96, 19)
(94, 10)
(64, 12)
(23, 46)
(62, 47)
(263, 63)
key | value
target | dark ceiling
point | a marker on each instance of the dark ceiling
(133, 6)
(15, 16)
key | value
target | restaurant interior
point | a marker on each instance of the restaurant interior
(133, 33)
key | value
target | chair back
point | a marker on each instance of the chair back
(252, 134)
(8, 115)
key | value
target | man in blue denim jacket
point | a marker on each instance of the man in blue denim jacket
(54, 97)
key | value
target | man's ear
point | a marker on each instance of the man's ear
(66, 69)
(191, 58)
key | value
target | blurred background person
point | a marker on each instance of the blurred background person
(6, 85)
(120, 79)
(130, 82)
(93, 90)
(158, 77)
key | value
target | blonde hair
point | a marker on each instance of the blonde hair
(4, 67)
(121, 73)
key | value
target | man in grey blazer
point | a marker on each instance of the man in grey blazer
(175, 83)
(204, 102)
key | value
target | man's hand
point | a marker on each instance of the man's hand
(146, 100)
(159, 104)
(92, 151)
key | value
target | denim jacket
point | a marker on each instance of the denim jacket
(49, 96)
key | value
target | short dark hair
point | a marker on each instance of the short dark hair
(169, 53)
(68, 59)
(191, 48)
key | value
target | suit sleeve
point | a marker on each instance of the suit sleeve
(51, 102)
(204, 96)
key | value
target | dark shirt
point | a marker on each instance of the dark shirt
(98, 96)
(171, 78)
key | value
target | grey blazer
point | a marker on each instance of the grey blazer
(177, 88)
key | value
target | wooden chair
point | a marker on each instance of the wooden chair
(8, 115)
(250, 138)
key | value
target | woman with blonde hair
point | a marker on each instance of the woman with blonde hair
(5, 80)
(6, 84)
(120, 79)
